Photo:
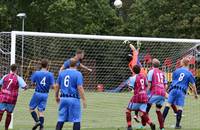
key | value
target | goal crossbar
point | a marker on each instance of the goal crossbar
(103, 37)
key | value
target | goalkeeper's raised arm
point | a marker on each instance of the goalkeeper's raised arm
(134, 59)
(79, 56)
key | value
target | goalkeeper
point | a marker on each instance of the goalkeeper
(134, 60)
(79, 57)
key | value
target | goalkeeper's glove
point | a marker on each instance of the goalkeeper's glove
(139, 44)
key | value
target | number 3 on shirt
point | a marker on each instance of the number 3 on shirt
(43, 81)
(66, 81)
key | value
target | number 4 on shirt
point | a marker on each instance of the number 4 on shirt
(43, 81)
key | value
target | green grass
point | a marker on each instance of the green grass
(105, 111)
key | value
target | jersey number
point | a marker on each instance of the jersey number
(66, 81)
(43, 81)
(10, 82)
(142, 83)
(160, 77)
(182, 75)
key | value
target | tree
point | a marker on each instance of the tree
(83, 16)
(164, 18)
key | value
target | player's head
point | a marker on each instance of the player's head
(13, 68)
(185, 62)
(79, 54)
(73, 63)
(155, 63)
(44, 63)
(136, 69)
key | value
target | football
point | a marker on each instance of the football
(118, 4)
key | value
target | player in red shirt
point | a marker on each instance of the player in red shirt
(138, 102)
(134, 60)
(157, 85)
(10, 84)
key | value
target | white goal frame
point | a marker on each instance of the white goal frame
(94, 37)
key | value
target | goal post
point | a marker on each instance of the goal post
(106, 55)
(61, 46)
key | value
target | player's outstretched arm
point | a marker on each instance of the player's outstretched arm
(62, 67)
(194, 88)
(85, 67)
(57, 88)
(82, 95)
(132, 47)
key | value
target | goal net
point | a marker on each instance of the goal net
(107, 56)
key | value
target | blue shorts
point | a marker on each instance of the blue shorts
(69, 110)
(39, 101)
(137, 106)
(157, 99)
(7, 107)
(176, 97)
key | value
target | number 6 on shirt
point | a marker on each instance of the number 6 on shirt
(66, 81)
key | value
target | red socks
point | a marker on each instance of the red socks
(128, 118)
(160, 119)
(8, 119)
(1, 115)
(143, 122)
(145, 119)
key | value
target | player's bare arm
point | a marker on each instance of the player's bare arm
(62, 67)
(132, 47)
(57, 88)
(85, 67)
(149, 86)
(194, 88)
(166, 88)
(82, 95)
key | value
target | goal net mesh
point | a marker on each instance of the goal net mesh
(109, 61)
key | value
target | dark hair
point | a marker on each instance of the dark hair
(79, 51)
(44, 63)
(73, 62)
(13, 67)
(136, 69)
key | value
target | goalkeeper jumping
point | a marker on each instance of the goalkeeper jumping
(134, 60)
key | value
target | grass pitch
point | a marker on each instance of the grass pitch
(105, 111)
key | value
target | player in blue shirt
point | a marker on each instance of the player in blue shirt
(43, 80)
(70, 86)
(79, 57)
(178, 89)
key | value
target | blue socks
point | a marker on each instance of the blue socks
(41, 121)
(34, 115)
(59, 125)
(77, 126)
(165, 112)
(148, 108)
(178, 118)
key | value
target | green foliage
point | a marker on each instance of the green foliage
(157, 18)
(164, 18)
